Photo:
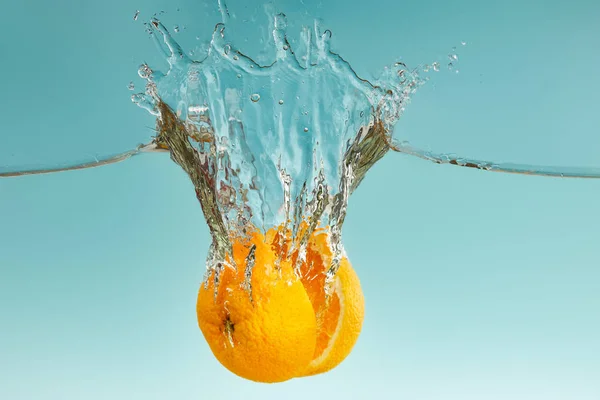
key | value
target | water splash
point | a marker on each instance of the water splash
(282, 145)
(308, 110)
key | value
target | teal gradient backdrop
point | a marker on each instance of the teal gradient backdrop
(478, 285)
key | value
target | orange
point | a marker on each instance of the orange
(268, 322)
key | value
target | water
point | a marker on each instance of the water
(436, 248)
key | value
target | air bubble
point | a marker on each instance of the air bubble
(453, 57)
(463, 43)
(255, 97)
(450, 66)
(305, 129)
(436, 66)
(131, 86)
(226, 49)
(236, 58)
(280, 102)
(176, 28)
(135, 16)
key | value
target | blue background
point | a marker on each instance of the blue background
(478, 285)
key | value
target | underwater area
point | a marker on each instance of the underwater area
(378, 123)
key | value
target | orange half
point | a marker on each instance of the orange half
(339, 321)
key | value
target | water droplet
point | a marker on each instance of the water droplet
(131, 86)
(305, 129)
(144, 71)
(280, 21)
(176, 28)
(255, 97)
(436, 66)
(280, 102)
(135, 16)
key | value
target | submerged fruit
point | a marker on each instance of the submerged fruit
(276, 323)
